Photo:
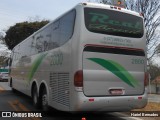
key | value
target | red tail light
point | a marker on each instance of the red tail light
(78, 79)
(146, 79)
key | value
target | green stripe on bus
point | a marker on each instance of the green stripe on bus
(35, 66)
(117, 70)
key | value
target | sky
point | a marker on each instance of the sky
(15, 11)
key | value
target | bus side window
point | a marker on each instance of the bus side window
(55, 35)
(36, 44)
(47, 39)
(67, 26)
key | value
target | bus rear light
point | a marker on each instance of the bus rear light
(146, 79)
(119, 2)
(140, 98)
(78, 79)
(111, 7)
(141, 14)
(84, 3)
(83, 118)
(115, 7)
(91, 100)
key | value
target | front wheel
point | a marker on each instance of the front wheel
(44, 100)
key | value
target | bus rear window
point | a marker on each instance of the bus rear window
(113, 23)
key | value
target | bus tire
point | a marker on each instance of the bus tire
(13, 90)
(44, 101)
(35, 98)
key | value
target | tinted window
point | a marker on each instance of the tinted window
(67, 26)
(113, 23)
(37, 43)
(55, 35)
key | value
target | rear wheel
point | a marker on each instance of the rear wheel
(35, 98)
(44, 100)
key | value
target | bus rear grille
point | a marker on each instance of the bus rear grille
(59, 83)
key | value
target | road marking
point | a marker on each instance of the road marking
(17, 106)
(21, 106)
(13, 106)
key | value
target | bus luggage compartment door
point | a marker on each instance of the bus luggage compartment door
(107, 74)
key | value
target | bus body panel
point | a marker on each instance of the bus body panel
(105, 72)
(109, 103)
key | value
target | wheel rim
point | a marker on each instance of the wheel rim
(44, 100)
(35, 98)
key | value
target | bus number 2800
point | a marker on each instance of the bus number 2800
(137, 61)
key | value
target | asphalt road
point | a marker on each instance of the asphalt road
(18, 102)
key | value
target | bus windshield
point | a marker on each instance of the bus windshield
(113, 23)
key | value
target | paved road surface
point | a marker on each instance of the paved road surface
(14, 102)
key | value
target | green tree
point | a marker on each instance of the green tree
(17, 33)
(154, 70)
(2, 41)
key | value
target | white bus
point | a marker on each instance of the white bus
(92, 58)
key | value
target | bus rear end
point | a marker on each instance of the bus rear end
(113, 71)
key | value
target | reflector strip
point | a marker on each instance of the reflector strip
(140, 98)
(91, 100)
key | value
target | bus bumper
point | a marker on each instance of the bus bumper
(110, 103)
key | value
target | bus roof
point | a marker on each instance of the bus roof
(106, 6)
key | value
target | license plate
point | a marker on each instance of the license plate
(116, 91)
